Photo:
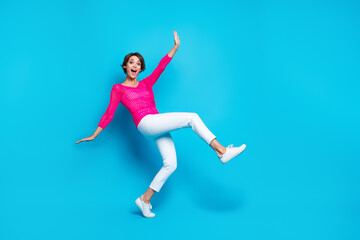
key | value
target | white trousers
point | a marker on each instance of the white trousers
(157, 127)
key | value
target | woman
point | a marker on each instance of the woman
(138, 98)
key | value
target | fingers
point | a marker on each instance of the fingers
(176, 38)
(84, 139)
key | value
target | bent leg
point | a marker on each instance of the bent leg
(158, 124)
(166, 147)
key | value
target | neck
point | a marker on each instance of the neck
(131, 80)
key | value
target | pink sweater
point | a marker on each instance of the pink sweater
(138, 100)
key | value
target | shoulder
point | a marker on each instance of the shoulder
(117, 87)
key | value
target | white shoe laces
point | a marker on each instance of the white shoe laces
(145, 203)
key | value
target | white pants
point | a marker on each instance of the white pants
(157, 127)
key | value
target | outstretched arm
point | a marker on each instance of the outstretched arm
(109, 114)
(110, 111)
(176, 46)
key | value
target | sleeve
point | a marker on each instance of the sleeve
(154, 76)
(114, 102)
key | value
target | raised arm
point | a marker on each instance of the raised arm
(154, 76)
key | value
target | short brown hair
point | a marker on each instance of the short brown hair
(127, 57)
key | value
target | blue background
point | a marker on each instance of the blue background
(280, 76)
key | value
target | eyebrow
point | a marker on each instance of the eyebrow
(134, 60)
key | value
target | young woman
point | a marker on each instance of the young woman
(138, 98)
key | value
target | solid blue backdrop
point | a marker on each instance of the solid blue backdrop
(280, 76)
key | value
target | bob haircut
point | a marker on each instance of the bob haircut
(127, 57)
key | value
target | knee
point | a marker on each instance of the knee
(171, 166)
(194, 117)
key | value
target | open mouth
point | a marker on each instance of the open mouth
(134, 71)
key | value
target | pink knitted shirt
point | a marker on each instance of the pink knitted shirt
(138, 100)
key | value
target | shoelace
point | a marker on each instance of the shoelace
(230, 146)
(149, 203)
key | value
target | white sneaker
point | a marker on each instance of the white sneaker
(145, 208)
(231, 152)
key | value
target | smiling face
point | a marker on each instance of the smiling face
(133, 67)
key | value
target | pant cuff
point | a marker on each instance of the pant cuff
(211, 139)
(154, 188)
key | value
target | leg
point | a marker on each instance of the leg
(158, 124)
(218, 148)
(146, 197)
(166, 147)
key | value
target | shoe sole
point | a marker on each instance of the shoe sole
(236, 154)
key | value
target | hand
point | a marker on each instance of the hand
(177, 40)
(86, 139)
